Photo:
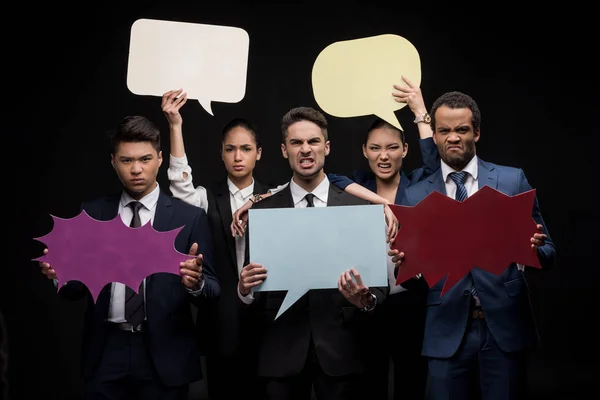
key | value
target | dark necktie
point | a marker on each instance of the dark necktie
(310, 200)
(134, 303)
(461, 194)
(461, 191)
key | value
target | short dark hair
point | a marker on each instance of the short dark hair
(244, 123)
(457, 100)
(303, 114)
(135, 128)
(381, 123)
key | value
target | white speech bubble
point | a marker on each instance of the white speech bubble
(356, 77)
(209, 62)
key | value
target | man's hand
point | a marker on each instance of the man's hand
(356, 292)
(538, 239)
(397, 256)
(392, 223)
(251, 276)
(171, 104)
(240, 219)
(47, 269)
(191, 269)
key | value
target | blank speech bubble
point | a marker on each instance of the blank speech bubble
(209, 62)
(315, 246)
(356, 77)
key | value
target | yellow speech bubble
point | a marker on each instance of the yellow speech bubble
(355, 77)
(209, 62)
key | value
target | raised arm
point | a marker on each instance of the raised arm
(179, 172)
(410, 94)
(413, 97)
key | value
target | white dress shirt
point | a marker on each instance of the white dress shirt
(237, 198)
(321, 193)
(116, 310)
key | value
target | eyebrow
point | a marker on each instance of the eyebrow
(149, 155)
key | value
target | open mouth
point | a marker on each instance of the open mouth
(307, 162)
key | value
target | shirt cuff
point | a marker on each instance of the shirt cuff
(245, 299)
(197, 290)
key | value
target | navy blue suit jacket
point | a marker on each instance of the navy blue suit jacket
(504, 298)
(170, 325)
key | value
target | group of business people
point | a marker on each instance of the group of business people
(332, 343)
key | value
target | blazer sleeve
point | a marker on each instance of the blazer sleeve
(547, 252)
(340, 181)
(201, 234)
(431, 161)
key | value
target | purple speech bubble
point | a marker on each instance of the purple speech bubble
(99, 252)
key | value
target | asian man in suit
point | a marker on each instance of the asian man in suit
(148, 351)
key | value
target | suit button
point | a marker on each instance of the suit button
(466, 293)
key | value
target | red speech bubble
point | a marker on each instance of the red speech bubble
(444, 237)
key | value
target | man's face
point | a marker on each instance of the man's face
(239, 153)
(454, 136)
(385, 151)
(305, 148)
(137, 165)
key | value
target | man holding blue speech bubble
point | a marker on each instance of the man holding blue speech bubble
(320, 342)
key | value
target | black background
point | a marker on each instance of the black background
(65, 85)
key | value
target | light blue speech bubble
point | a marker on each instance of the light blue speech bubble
(309, 248)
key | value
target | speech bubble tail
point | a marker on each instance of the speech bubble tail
(390, 116)
(290, 298)
(206, 104)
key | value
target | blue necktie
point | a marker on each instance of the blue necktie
(461, 194)
(461, 191)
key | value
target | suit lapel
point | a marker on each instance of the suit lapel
(486, 175)
(334, 196)
(404, 183)
(163, 214)
(223, 203)
(283, 198)
(110, 210)
(436, 183)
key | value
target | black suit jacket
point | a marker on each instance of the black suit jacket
(225, 333)
(170, 325)
(339, 330)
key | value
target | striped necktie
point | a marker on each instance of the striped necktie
(461, 194)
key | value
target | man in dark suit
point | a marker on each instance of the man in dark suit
(321, 341)
(483, 324)
(151, 352)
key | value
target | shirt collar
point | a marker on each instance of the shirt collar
(245, 192)
(321, 192)
(149, 200)
(470, 168)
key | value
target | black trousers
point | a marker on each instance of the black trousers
(126, 372)
(401, 318)
(312, 380)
